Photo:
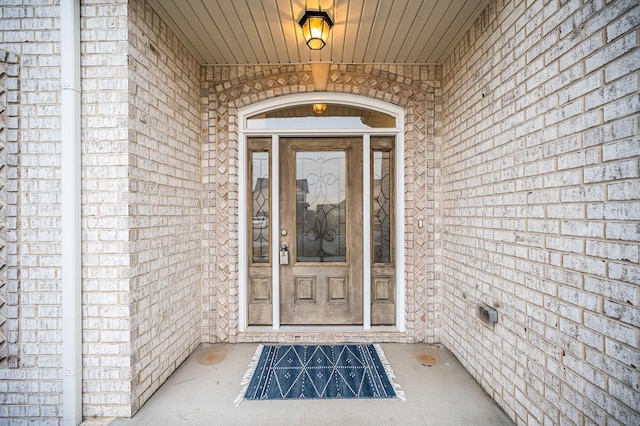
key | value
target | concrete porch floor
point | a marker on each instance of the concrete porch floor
(438, 389)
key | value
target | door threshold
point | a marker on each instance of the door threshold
(322, 329)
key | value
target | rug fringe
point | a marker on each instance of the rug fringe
(248, 375)
(387, 368)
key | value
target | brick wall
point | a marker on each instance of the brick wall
(30, 374)
(165, 201)
(140, 205)
(106, 327)
(541, 208)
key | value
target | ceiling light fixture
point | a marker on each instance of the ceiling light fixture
(315, 28)
(319, 109)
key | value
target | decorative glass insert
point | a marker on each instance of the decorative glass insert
(326, 116)
(321, 206)
(260, 207)
(382, 205)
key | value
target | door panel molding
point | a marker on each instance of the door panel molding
(337, 290)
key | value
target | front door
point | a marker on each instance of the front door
(336, 223)
(321, 231)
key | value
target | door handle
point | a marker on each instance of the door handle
(284, 253)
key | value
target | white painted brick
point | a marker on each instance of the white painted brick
(586, 172)
(578, 159)
(626, 355)
(610, 52)
(611, 329)
(582, 334)
(567, 178)
(564, 112)
(623, 312)
(622, 372)
(563, 79)
(583, 50)
(583, 369)
(614, 211)
(625, 23)
(582, 194)
(616, 90)
(629, 397)
(622, 66)
(577, 90)
(614, 251)
(622, 149)
(624, 272)
(623, 231)
(614, 290)
(564, 244)
(624, 191)
(579, 298)
(563, 309)
(582, 229)
(558, 343)
(565, 211)
(578, 123)
(622, 108)
(542, 197)
(574, 18)
(542, 75)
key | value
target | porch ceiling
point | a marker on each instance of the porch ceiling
(257, 32)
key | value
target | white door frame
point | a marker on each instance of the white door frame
(327, 98)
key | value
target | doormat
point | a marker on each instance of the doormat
(318, 372)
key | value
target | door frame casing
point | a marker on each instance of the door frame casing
(328, 98)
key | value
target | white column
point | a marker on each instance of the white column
(275, 230)
(366, 231)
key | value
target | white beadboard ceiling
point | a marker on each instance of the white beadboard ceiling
(365, 31)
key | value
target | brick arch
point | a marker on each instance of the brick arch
(9, 124)
(225, 92)
(358, 80)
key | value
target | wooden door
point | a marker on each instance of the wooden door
(321, 228)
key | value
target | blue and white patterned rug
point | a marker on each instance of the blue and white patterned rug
(318, 372)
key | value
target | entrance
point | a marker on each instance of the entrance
(320, 231)
(321, 207)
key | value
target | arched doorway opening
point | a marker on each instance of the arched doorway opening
(321, 222)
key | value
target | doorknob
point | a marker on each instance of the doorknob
(283, 232)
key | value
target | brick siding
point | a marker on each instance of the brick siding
(30, 374)
(541, 212)
(106, 311)
(165, 189)
(141, 208)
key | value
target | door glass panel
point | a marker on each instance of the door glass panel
(321, 206)
(382, 206)
(260, 207)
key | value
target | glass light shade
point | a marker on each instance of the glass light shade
(315, 28)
